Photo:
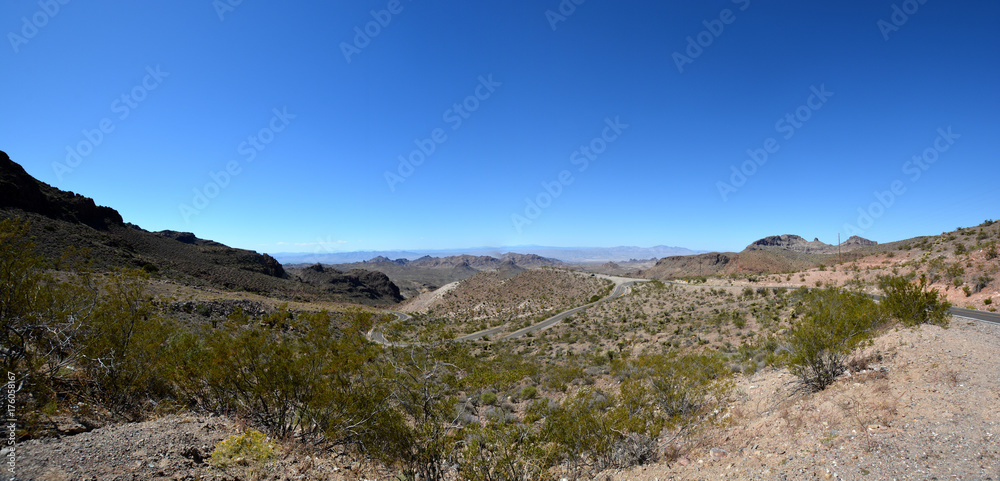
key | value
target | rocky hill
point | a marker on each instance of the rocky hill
(798, 244)
(68, 226)
(373, 285)
(772, 254)
(428, 273)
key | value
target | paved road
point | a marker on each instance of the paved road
(621, 285)
(378, 338)
(975, 315)
(617, 292)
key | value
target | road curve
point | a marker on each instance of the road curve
(618, 291)
(621, 285)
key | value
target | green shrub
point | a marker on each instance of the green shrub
(912, 303)
(528, 392)
(501, 450)
(488, 398)
(835, 323)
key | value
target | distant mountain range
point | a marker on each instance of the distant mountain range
(572, 255)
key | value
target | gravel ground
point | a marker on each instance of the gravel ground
(175, 447)
(927, 410)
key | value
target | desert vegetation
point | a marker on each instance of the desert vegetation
(629, 381)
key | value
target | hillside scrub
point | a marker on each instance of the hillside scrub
(426, 410)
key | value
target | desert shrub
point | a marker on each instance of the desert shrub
(834, 324)
(248, 448)
(960, 249)
(912, 303)
(685, 387)
(86, 336)
(981, 283)
(528, 392)
(501, 450)
(125, 341)
(988, 301)
(991, 251)
(967, 291)
(583, 432)
(320, 382)
(557, 376)
(488, 398)
(424, 393)
(42, 322)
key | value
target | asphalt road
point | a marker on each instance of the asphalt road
(617, 292)
(975, 315)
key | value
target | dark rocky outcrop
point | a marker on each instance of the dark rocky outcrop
(19, 190)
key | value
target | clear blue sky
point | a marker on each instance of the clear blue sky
(199, 80)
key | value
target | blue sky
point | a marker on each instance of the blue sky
(550, 123)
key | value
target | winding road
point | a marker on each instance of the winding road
(621, 286)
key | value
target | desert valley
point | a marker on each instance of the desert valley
(160, 355)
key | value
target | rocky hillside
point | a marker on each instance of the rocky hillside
(773, 254)
(798, 244)
(68, 227)
(371, 284)
(430, 273)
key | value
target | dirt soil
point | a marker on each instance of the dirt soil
(175, 447)
(925, 408)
